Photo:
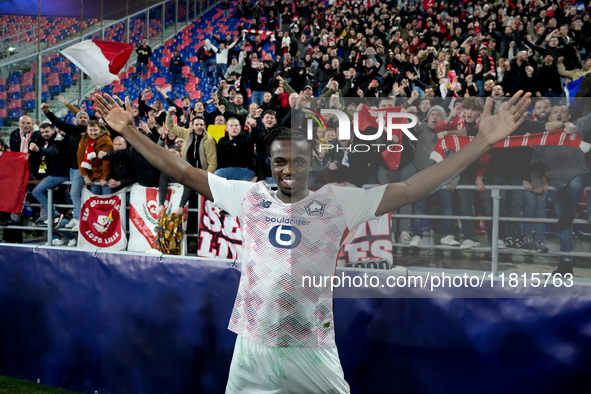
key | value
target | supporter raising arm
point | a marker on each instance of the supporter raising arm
(491, 130)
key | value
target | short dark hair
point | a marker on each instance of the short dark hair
(199, 118)
(45, 126)
(94, 123)
(287, 134)
(269, 112)
(186, 98)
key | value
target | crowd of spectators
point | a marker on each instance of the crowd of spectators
(438, 61)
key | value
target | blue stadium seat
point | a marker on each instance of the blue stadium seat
(1, 122)
(30, 104)
(28, 88)
(2, 103)
(57, 89)
(3, 88)
(15, 96)
(15, 114)
(45, 96)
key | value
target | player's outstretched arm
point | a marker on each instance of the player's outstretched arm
(492, 129)
(121, 120)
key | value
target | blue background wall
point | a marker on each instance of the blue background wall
(131, 324)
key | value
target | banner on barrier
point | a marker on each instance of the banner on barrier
(14, 174)
(220, 235)
(368, 245)
(100, 221)
(143, 215)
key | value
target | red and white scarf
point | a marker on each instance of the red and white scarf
(25, 139)
(89, 154)
(491, 62)
(260, 32)
(462, 121)
(441, 69)
(548, 138)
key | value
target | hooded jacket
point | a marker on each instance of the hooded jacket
(101, 169)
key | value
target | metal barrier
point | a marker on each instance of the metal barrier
(495, 218)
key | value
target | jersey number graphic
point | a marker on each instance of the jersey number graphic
(286, 237)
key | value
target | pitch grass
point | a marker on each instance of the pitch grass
(15, 386)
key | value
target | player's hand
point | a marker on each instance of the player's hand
(101, 155)
(115, 116)
(498, 127)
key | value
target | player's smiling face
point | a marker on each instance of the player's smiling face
(290, 164)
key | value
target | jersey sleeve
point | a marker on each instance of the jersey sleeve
(228, 195)
(359, 205)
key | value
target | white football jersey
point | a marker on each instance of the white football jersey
(283, 243)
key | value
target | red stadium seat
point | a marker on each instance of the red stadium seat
(3, 113)
(14, 104)
(14, 88)
(3, 95)
(159, 81)
(29, 96)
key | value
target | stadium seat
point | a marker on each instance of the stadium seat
(15, 114)
(2, 103)
(14, 88)
(14, 104)
(15, 96)
(30, 96)
(3, 113)
(3, 96)
(29, 104)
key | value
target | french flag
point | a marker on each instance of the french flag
(100, 60)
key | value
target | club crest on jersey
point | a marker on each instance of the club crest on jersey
(315, 208)
(265, 204)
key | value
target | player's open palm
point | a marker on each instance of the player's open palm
(115, 116)
(510, 115)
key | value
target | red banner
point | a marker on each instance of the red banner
(14, 175)
(100, 221)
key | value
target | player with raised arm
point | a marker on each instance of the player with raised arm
(285, 329)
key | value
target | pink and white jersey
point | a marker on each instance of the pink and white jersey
(284, 243)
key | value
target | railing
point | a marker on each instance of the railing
(495, 218)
